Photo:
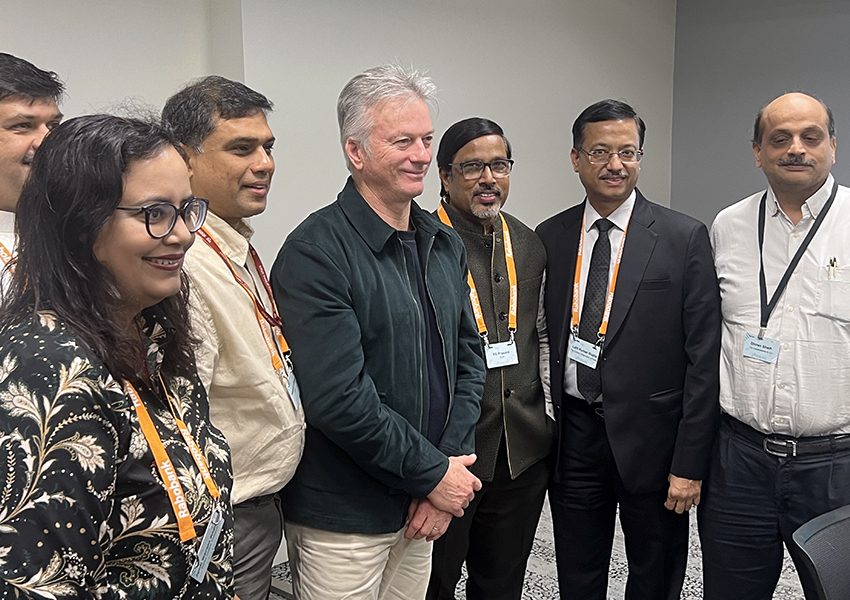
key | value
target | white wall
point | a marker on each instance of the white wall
(107, 51)
(526, 65)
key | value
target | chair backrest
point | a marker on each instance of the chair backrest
(825, 545)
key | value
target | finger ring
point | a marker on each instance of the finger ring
(436, 529)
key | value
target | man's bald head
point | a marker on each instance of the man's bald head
(793, 98)
(794, 146)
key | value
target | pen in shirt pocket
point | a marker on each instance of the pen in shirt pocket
(832, 268)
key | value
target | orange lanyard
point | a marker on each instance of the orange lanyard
(5, 255)
(164, 465)
(269, 323)
(512, 280)
(609, 300)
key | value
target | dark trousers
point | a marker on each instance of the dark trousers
(752, 502)
(257, 533)
(584, 505)
(494, 536)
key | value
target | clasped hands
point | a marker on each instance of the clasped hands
(429, 517)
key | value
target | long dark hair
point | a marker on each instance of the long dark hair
(77, 180)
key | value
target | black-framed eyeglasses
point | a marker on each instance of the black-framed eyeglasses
(472, 169)
(161, 217)
(601, 157)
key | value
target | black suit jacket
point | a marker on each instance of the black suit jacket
(660, 362)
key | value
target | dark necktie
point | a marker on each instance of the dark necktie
(595, 290)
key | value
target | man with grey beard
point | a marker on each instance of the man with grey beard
(514, 436)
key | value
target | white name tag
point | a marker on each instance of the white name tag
(765, 349)
(207, 547)
(502, 354)
(292, 388)
(583, 352)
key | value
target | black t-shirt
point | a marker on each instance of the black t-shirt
(438, 383)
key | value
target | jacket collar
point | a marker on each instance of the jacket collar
(463, 223)
(372, 228)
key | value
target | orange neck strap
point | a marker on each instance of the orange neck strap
(512, 280)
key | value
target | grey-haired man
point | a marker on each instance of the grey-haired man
(378, 315)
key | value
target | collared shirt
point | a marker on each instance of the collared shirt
(805, 393)
(620, 218)
(7, 229)
(7, 238)
(249, 401)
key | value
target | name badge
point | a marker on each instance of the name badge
(765, 350)
(207, 547)
(292, 387)
(502, 354)
(583, 352)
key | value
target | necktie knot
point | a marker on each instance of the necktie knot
(603, 225)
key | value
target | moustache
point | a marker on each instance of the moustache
(795, 160)
(487, 190)
(615, 175)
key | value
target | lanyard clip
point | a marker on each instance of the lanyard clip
(762, 331)
(600, 339)
(512, 332)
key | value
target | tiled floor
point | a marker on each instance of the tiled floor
(541, 581)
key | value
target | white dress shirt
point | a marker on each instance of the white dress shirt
(249, 401)
(620, 218)
(807, 391)
(7, 238)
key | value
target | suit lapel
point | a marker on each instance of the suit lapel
(640, 242)
(562, 284)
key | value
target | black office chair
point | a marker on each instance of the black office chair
(824, 543)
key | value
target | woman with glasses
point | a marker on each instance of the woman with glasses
(116, 485)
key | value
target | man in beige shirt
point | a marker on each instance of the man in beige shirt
(243, 360)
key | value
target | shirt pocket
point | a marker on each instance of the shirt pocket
(654, 285)
(832, 298)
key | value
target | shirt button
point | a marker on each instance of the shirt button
(790, 308)
(503, 316)
(796, 271)
(497, 278)
(507, 393)
(785, 346)
(795, 235)
(781, 386)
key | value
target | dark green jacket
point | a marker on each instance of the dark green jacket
(512, 406)
(351, 314)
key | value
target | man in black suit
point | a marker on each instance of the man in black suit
(633, 312)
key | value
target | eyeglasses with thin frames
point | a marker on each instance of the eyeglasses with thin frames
(472, 169)
(603, 157)
(161, 217)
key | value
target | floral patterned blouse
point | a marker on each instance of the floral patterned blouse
(83, 511)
